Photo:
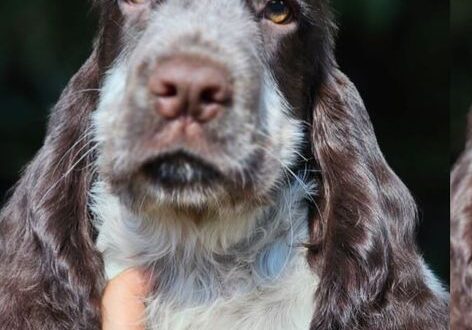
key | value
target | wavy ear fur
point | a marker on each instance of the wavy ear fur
(461, 238)
(372, 276)
(50, 272)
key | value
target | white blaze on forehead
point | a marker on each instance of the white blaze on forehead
(222, 30)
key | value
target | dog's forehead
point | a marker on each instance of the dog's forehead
(125, 25)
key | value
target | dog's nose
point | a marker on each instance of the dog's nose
(190, 87)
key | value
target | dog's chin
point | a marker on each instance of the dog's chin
(181, 181)
(181, 171)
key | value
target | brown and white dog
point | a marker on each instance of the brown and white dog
(461, 239)
(215, 145)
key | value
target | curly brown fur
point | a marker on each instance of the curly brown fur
(461, 239)
(50, 272)
(372, 276)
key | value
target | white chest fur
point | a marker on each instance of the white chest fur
(285, 304)
(241, 271)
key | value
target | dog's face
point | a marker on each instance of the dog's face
(205, 101)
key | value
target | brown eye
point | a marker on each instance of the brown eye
(278, 12)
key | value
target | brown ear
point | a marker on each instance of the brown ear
(50, 273)
(461, 238)
(371, 276)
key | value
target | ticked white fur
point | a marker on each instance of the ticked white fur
(270, 287)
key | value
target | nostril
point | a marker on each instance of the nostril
(214, 94)
(208, 95)
(165, 89)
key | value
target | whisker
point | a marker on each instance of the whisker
(66, 174)
(266, 135)
(81, 139)
(89, 90)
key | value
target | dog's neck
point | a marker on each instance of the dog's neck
(228, 252)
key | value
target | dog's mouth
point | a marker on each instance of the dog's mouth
(180, 169)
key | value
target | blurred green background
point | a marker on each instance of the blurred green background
(461, 72)
(396, 51)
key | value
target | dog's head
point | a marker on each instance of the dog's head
(205, 101)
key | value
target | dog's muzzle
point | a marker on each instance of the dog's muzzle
(187, 92)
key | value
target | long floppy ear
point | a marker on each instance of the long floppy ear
(50, 273)
(371, 275)
(461, 238)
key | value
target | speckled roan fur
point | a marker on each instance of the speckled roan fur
(461, 239)
(361, 222)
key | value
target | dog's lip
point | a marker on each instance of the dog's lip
(180, 169)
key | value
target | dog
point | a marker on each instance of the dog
(216, 146)
(461, 241)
